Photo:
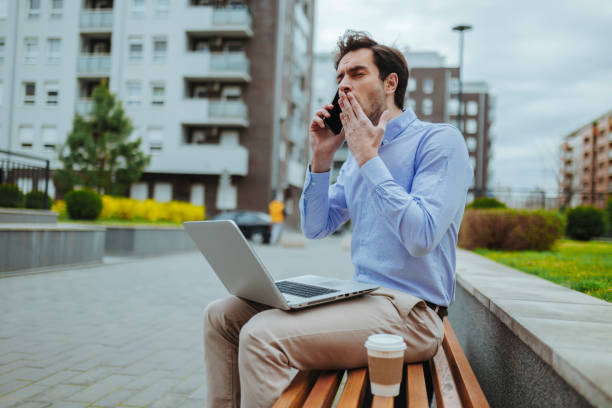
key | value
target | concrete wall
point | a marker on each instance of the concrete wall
(146, 241)
(27, 216)
(25, 247)
(510, 373)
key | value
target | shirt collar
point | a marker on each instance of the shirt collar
(398, 125)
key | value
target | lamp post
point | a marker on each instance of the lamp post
(461, 28)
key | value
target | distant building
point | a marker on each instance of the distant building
(432, 93)
(586, 164)
(218, 90)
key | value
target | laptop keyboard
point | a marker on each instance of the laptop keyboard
(302, 289)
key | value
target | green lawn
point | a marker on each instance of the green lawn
(582, 266)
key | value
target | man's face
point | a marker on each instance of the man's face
(357, 73)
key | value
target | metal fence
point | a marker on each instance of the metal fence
(29, 173)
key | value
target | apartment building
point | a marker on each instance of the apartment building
(218, 90)
(586, 164)
(433, 94)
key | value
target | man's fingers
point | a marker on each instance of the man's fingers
(346, 107)
(319, 121)
(359, 113)
(322, 113)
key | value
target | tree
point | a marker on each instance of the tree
(97, 153)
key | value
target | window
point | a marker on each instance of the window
(31, 50)
(26, 136)
(33, 8)
(162, 192)
(52, 93)
(471, 126)
(1, 49)
(49, 137)
(57, 8)
(3, 8)
(160, 49)
(135, 49)
(471, 143)
(454, 85)
(53, 50)
(138, 7)
(155, 137)
(453, 106)
(428, 85)
(427, 106)
(29, 93)
(161, 7)
(133, 93)
(472, 108)
(158, 92)
(412, 84)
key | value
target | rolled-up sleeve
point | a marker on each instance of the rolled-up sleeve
(420, 217)
(322, 207)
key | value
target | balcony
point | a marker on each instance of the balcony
(214, 112)
(96, 20)
(202, 159)
(83, 106)
(94, 64)
(228, 22)
(220, 66)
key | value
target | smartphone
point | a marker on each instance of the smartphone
(333, 122)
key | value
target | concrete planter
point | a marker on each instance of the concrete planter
(26, 246)
(146, 240)
(26, 216)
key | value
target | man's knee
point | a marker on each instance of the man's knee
(222, 313)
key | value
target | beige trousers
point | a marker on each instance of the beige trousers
(250, 349)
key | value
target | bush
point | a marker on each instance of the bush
(486, 202)
(511, 230)
(585, 222)
(83, 204)
(36, 200)
(150, 210)
(10, 196)
(59, 207)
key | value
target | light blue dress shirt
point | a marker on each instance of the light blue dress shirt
(406, 206)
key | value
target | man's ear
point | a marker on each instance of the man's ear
(391, 83)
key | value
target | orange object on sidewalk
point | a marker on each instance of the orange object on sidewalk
(276, 211)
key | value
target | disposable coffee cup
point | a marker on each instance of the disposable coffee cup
(385, 363)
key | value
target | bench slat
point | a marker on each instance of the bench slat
(467, 384)
(297, 391)
(416, 391)
(382, 402)
(443, 384)
(325, 389)
(354, 388)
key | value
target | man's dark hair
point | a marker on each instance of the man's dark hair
(387, 59)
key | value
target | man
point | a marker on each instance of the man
(276, 208)
(404, 187)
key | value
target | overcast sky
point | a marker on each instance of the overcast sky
(547, 62)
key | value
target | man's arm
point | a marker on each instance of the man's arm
(420, 217)
(322, 207)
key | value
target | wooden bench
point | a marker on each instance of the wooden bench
(454, 384)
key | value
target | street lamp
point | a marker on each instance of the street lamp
(461, 28)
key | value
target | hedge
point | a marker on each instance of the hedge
(512, 230)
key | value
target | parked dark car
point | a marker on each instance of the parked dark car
(251, 223)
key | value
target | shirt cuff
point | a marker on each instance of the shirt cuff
(375, 171)
(316, 182)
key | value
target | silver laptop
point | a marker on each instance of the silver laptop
(244, 275)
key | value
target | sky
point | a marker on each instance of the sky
(548, 63)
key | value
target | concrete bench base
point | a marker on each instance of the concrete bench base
(145, 240)
(22, 216)
(26, 246)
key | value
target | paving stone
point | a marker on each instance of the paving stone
(89, 377)
(58, 377)
(190, 385)
(102, 388)
(22, 393)
(115, 398)
(57, 392)
(12, 386)
(152, 392)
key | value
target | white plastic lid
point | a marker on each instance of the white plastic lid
(385, 342)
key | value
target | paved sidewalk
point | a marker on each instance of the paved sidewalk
(127, 333)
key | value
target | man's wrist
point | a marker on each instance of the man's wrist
(320, 165)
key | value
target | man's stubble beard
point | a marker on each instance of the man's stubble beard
(378, 107)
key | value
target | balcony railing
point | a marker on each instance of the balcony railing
(94, 64)
(229, 61)
(232, 16)
(83, 106)
(227, 109)
(98, 19)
